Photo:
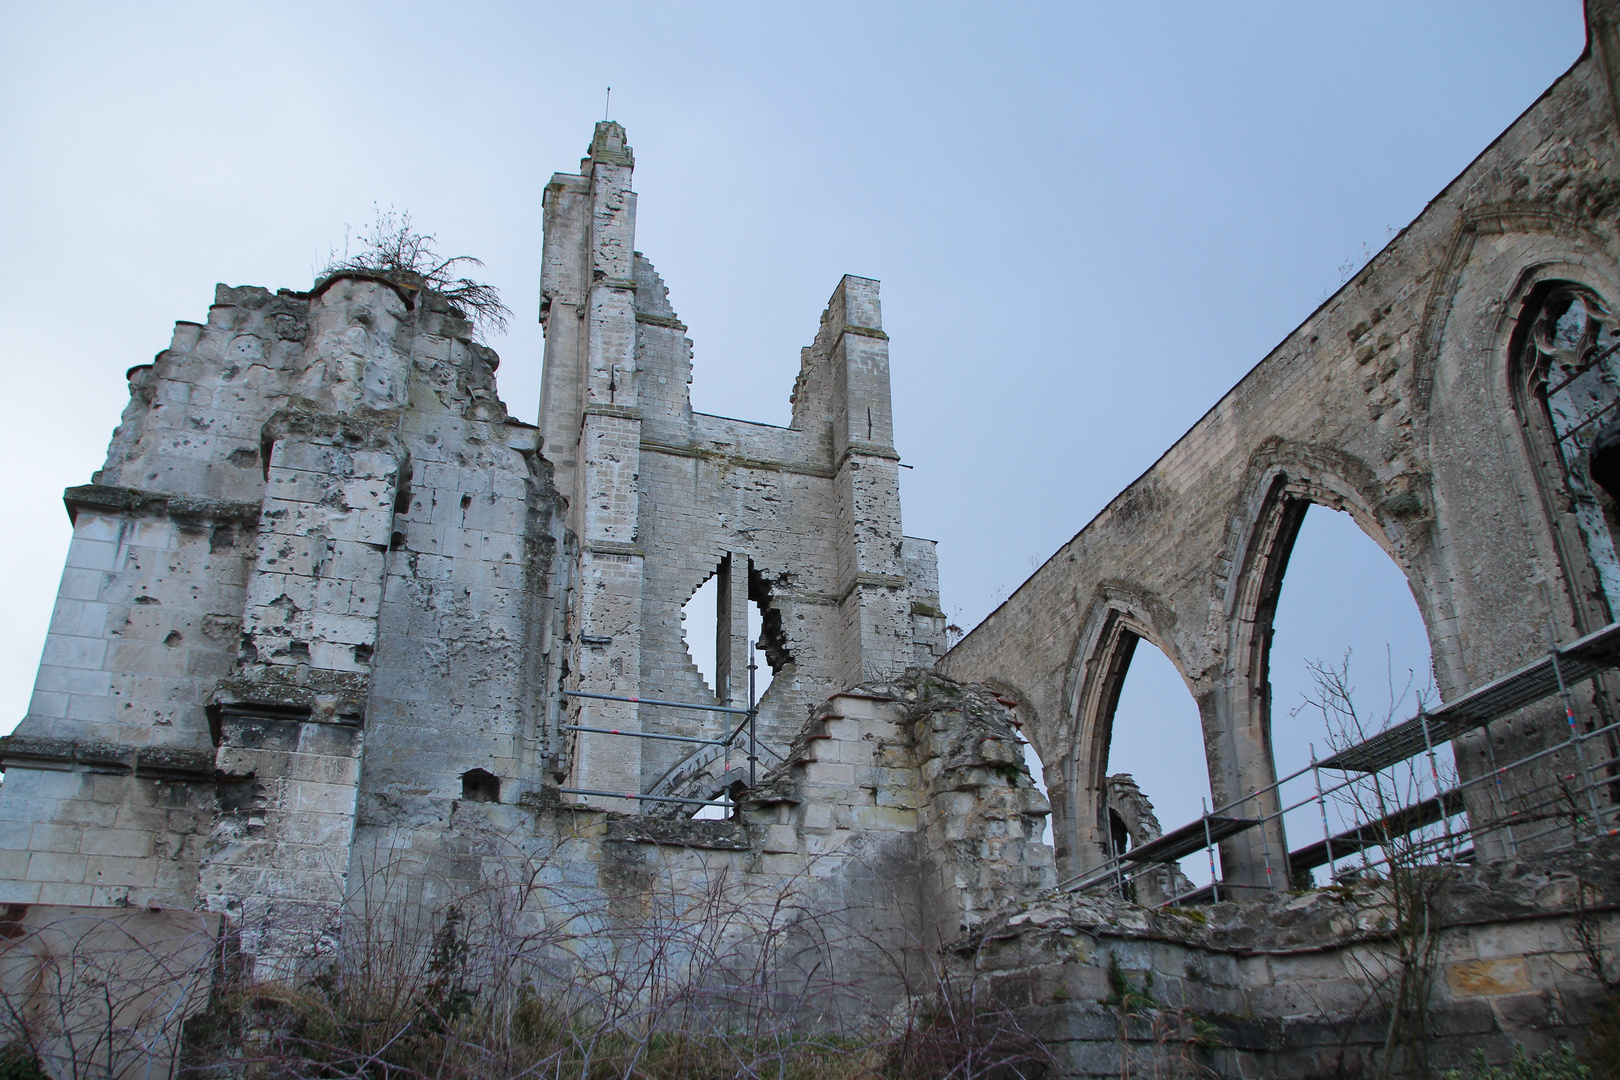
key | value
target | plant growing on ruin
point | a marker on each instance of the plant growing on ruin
(1175, 1036)
(1597, 957)
(1559, 1063)
(390, 247)
(510, 973)
(89, 995)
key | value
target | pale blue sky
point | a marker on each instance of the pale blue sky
(1090, 219)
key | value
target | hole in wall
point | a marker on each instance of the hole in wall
(699, 618)
(480, 786)
(1037, 773)
(768, 642)
(759, 631)
(722, 813)
(1118, 834)
(402, 489)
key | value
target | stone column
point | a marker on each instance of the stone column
(874, 604)
(288, 720)
(605, 499)
(731, 645)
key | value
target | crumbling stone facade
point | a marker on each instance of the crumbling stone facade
(326, 591)
(802, 520)
(1302, 985)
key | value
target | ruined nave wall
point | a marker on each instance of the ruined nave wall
(318, 561)
(1397, 401)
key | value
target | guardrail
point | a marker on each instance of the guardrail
(750, 717)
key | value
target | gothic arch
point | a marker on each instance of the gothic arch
(1119, 617)
(1492, 220)
(1525, 372)
(1284, 480)
(1477, 326)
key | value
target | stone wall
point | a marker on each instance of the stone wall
(325, 589)
(316, 575)
(1410, 401)
(903, 818)
(803, 521)
(1301, 985)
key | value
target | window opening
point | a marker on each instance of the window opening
(699, 620)
(1158, 739)
(1037, 773)
(1345, 613)
(1570, 350)
(477, 785)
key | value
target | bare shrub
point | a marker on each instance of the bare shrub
(1413, 875)
(391, 248)
(512, 972)
(88, 992)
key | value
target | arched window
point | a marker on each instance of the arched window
(1569, 376)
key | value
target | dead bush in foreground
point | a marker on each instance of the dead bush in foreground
(516, 976)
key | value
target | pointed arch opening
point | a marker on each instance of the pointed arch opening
(1565, 372)
(734, 638)
(1155, 773)
(1347, 654)
(1135, 763)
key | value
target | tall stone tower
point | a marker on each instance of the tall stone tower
(804, 521)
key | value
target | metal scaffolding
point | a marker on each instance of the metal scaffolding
(1577, 795)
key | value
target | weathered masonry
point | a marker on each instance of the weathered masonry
(804, 520)
(325, 589)
(1456, 398)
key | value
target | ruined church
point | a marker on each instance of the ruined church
(328, 607)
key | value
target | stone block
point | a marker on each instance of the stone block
(65, 894)
(816, 817)
(884, 818)
(87, 554)
(55, 866)
(44, 837)
(779, 839)
(18, 891)
(112, 870)
(1488, 978)
(830, 774)
(126, 843)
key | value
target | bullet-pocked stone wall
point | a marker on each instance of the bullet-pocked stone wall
(1407, 400)
(325, 592)
(317, 582)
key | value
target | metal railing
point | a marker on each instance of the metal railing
(750, 717)
(1580, 797)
